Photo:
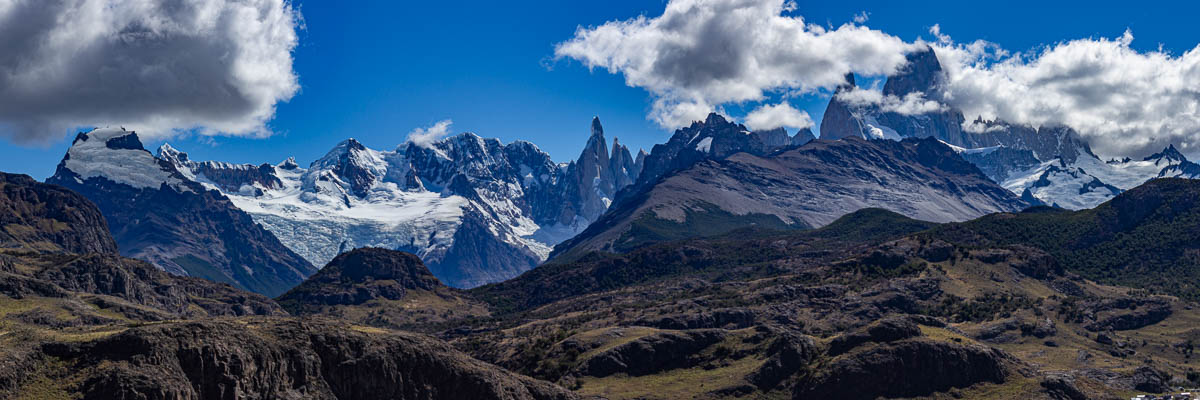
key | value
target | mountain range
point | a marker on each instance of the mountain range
(1048, 164)
(475, 209)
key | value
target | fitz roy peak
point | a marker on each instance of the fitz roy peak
(1051, 164)
(160, 214)
(475, 210)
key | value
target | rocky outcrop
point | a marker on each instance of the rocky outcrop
(908, 368)
(40, 217)
(1062, 387)
(790, 354)
(1128, 314)
(731, 318)
(651, 354)
(283, 359)
(888, 330)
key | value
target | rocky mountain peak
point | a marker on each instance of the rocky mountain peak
(596, 148)
(1169, 154)
(355, 164)
(597, 129)
(116, 155)
(171, 155)
(716, 120)
(921, 73)
(847, 85)
(289, 164)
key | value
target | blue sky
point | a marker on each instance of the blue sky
(379, 69)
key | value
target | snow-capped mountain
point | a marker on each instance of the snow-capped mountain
(1087, 181)
(160, 214)
(474, 209)
(1048, 164)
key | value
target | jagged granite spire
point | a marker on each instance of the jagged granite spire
(921, 73)
(621, 166)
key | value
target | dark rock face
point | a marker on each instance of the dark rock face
(360, 275)
(1147, 379)
(56, 219)
(284, 359)
(908, 368)
(478, 257)
(187, 230)
(1062, 388)
(651, 354)
(790, 355)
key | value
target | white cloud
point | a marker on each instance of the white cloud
(1125, 102)
(773, 116)
(219, 66)
(425, 137)
(910, 104)
(700, 54)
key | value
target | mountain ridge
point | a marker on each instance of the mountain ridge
(809, 186)
(157, 214)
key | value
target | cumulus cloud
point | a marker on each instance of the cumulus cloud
(700, 54)
(218, 66)
(779, 115)
(910, 104)
(1125, 102)
(425, 137)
